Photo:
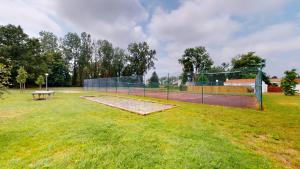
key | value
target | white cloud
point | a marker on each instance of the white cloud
(213, 24)
(225, 28)
(117, 21)
(29, 15)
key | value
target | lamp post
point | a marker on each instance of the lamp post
(46, 74)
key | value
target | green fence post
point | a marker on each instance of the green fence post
(117, 85)
(144, 81)
(261, 99)
(106, 84)
(128, 88)
(168, 87)
(202, 81)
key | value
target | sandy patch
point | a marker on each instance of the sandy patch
(132, 105)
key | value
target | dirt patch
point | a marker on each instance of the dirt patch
(132, 105)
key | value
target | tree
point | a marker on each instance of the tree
(85, 57)
(141, 58)
(58, 70)
(154, 80)
(22, 51)
(250, 62)
(40, 81)
(71, 45)
(184, 78)
(22, 77)
(195, 60)
(288, 83)
(48, 42)
(118, 61)
(106, 54)
(225, 66)
(4, 75)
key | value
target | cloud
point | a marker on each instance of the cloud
(223, 28)
(29, 14)
(116, 20)
(277, 43)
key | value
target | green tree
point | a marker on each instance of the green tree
(195, 60)
(40, 81)
(118, 61)
(22, 51)
(71, 46)
(288, 83)
(106, 54)
(201, 78)
(184, 78)
(48, 41)
(86, 51)
(154, 80)
(22, 77)
(56, 65)
(141, 58)
(4, 75)
(250, 63)
(58, 71)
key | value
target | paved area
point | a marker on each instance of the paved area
(132, 105)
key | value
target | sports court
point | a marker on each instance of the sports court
(219, 88)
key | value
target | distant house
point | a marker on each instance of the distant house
(277, 82)
(245, 82)
(298, 85)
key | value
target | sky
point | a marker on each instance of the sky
(227, 28)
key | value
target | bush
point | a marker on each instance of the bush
(183, 88)
(289, 83)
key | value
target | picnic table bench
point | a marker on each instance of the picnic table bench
(42, 95)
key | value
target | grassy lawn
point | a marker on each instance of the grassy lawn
(69, 132)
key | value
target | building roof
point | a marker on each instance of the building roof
(253, 81)
(279, 80)
(275, 80)
(240, 81)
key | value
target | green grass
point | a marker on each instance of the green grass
(69, 132)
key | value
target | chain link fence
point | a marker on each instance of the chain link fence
(240, 88)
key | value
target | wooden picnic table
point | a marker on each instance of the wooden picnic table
(42, 95)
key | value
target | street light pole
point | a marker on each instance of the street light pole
(46, 74)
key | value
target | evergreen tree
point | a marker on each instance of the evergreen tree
(154, 80)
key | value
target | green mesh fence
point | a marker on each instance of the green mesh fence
(239, 88)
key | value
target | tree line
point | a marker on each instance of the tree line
(70, 59)
(197, 60)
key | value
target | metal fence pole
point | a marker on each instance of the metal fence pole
(117, 85)
(168, 87)
(261, 99)
(202, 83)
(128, 87)
(144, 81)
(106, 84)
